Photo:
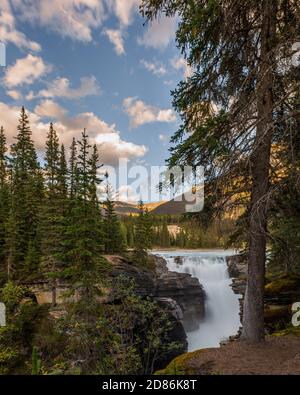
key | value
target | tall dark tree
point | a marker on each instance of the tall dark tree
(27, 193)
(143, 234)
(111, 225)
(73, 169)
(52, 210)
(233, 107)
(83, 236)
(4, 200)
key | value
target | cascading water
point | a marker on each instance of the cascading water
(221, 318)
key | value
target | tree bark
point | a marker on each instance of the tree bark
(253, 319)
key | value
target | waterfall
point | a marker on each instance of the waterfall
(221, 318)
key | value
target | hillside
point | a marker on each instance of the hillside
(125, 208)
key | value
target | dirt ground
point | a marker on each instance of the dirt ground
(277, 355)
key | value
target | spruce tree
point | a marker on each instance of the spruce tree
(52, 212)
(235, 106)
(112, 228)
(4, 201)
(143, 234)
(83, 241)
(27, 194)
(73, 169)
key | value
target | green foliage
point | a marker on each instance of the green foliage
(27, 193)
(114, 236)
(4, 202)
(12, 294)
(143, 236)
(36, 362)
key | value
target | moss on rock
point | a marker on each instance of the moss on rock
(285, 283)
(289, 331)
(180, 365)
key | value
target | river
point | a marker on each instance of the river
(221, 318)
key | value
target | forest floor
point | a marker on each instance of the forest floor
(276, 356)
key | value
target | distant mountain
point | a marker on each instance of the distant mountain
(125, 208)
(172, 207)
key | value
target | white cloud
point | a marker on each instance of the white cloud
(25, 71)
(181, 64)
(163, 137)
(50, 109)
(155, 67)
(69, 18)
(159, 33)
(125, 10)
(141, 113)
(115, 37)
(107, 137)
(14, 94)
(60, 87)
(75, 19)
(8, 31)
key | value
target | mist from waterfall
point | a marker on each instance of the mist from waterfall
(221, 318)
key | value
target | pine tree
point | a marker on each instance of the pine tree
(52, 214)
(83, 236)
(143, 234)
(27, 194)
(165, 236)
(234, 108)
(112, 228)
(73, 174)
(4, 200)
(62, 176)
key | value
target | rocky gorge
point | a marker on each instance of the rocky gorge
(179, 294)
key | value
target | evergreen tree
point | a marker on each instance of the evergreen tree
(143, 234)
(234, 107)
(73, 174)
(83, 235)
(27, 194)
(53, 208)
(165, 236)
(112, 228)
(4, 200)
(62, 176)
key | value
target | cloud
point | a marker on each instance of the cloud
(180, 63)
(107, 137)
(14, 94)
(125, 10)
(159, 33)
(60, 87)
(115, 37)
(141, 113)
(8, 31)
(50, 109)
(75, 19)
(70, 18)
(155, 67)
(163, 137)
(25, 71)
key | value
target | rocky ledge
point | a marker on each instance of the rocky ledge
(184, 289)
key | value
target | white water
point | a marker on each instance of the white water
(221, 318)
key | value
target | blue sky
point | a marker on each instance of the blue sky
(93, 64)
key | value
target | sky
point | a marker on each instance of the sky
(91, 64)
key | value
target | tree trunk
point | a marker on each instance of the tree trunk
(253, 319)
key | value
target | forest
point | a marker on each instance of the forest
(240, 119)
